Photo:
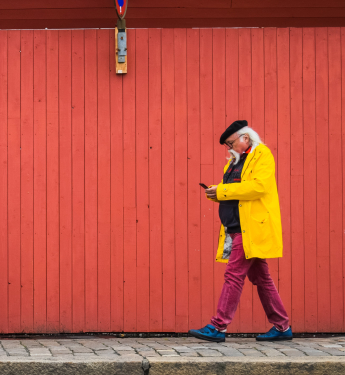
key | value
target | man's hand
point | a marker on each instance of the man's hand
(212, 192)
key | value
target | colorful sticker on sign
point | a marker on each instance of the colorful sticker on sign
(121, 7)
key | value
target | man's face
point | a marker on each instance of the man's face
(237, 143)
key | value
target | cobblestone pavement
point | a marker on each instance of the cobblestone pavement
(129, 349)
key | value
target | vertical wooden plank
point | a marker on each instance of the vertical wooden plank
(91, 262)
(297, 227)
(142, 183)
(65, 172)
(231, 109)
(270, 54)
(130, 240)
(168, 165)
(258, 82)
(271, 102)
(103, 167)
(40, 181)
(181, 172)
(27, 169)
(142, 180)
(343, 136)
(14, 180)
(258, 124)
(117, 193)
(206, 158)
(194, 151)
(219, 125)
(283, 165)
(322, 182)
(53, 252)
(335, 165)
(4, 180)
(155, 170)
(309, 178)
(78, 260)
(245, 113)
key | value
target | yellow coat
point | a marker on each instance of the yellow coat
(258, 206)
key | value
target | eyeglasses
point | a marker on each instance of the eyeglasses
(230, 144)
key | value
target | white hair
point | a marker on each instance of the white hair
(254, 137)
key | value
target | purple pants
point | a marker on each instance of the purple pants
(257, 271)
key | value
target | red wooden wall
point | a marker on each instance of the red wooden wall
(52, 14)
(103, 226)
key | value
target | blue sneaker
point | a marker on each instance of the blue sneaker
(208, 333)
(273, 334)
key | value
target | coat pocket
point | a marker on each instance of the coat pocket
(260, 229)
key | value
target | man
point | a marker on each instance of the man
(250, 232)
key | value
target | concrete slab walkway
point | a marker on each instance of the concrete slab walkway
(184, 355)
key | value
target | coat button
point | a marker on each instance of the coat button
(244, 231)
(240, 205)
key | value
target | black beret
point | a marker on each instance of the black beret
(233, 128)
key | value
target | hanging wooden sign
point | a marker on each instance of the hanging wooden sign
(121, 8)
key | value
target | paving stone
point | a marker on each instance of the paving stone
(189, 354)
(272, 352)
(334, 352)
(103, 353)
(156, 346)
(182, 348)
(19, 347)
(230, 352)
(241, 346)
(209, 353)
(125, 352)
(196, 347)
(61, 352)
(213, 345)
(251, 353)
(147, 353)
(122, 347)
(18, 354)
(140, 346)
(143, 348)
(81, 349)
(167, 352)
(32, 345)
(331, 345)
(95, 346)
(290, 352)
(314, 352)
(39, 351)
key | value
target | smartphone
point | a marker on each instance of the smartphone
(204, 186)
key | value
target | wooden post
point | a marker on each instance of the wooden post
(121, 68)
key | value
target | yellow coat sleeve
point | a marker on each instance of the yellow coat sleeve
(258, 185)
